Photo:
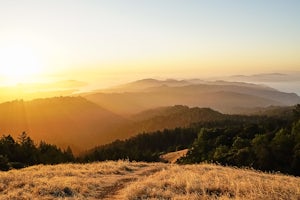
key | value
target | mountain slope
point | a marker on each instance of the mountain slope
(62, 120)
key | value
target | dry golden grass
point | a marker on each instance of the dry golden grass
(208, 181)
(74, 181)
(136, 180)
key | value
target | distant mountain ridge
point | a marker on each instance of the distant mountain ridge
(219, 95)
(140, 85)
(267, 77)
(144, 84)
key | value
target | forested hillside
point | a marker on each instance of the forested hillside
(261, 142)
(271, 146)
(171, 117)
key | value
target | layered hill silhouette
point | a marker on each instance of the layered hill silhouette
(146, 105)
(226, 97)
(82, 124)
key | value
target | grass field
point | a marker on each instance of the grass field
(137, 180)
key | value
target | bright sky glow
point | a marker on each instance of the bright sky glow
(116, 39)
(19, 63)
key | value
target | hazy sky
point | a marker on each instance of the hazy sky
(118, 39)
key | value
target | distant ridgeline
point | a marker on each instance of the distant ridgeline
(265, 142)
(22, 153)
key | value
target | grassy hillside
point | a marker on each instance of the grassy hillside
(125, 180)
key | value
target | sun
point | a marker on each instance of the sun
(19, 64)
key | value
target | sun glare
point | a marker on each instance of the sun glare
(18, 64)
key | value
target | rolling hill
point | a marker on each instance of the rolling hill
(171, 117)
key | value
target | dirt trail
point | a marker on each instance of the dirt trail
(121, 182)
(174, 156)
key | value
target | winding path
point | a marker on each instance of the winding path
(122, 181)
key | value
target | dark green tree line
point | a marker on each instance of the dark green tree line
(266, 145)
(23, 152)
(145, 146)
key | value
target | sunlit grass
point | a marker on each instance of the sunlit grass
(208, 181)
(137, 180)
